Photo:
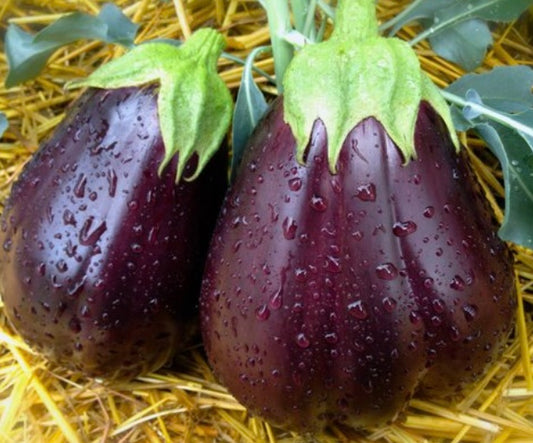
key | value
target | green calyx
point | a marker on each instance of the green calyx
(194, 104)
(354, 75)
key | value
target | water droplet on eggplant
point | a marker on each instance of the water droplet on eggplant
(358, 310)
(289, 227)
(386, 271)
(403, 229)
(366, 192)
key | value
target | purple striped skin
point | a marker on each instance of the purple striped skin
(102, 258)
(334, 298)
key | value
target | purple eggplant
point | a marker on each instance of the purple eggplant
(102, 257)
(347, 276)
(335, 297)
(105, 232)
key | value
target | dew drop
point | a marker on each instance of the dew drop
(428, 282)
(262, 313)
(415, 318)
(455, 334)
(402, 229)
(69, 218)
(438, 306)
(318, 203)
(111, 182)
(41, 269)
(302, 341)
(295, 184)
(331, 337)
(436, 320)
(457, 283)
(357, 235)
(358, 310)
(88, 236)
(470, 312)
(61, 265)
(386, 271)
(366, 192)
(79, 188)
(136, 247)
(332, 264)
(7, 245)
(276, 300)
(389, 304)
(336, 185)
(289, 228)
(236, 246)
(429, 212)
(300, 274)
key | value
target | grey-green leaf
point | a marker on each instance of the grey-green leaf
(422, 11)
(249, 108)
(516, 157)
(443, 13)
(506, 88)
(28, 54)
(498, 105)
(492, 10)
(456, 28)
(465, 43)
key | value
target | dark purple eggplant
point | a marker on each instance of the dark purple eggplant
(335, 297)
(101, 257)
(105, 232)
(356, 261)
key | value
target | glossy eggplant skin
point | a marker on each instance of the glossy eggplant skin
(101, 257)
(335, 297)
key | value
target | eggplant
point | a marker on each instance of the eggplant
(335, 297)
(339, 285)
(102, 249)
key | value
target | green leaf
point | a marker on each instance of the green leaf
(465, 43)
(441, 14)
(249, 108)
(505, 88)
(28, 54)
(498, 105)
(194, 103)
(516, 158)
(492, 10)
(327, 81)
(456, 29)
(422, 11)
(4, 124)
